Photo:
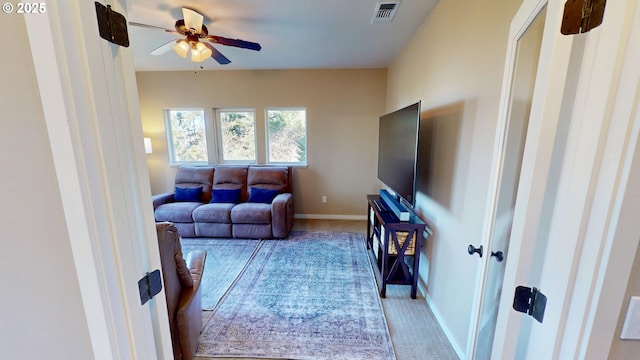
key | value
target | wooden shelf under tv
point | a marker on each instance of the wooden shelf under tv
(394, 246)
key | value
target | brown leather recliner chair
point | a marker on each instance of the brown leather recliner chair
(181, 278)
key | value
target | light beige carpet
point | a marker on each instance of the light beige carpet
(415, 333)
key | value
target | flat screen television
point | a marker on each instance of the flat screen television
(397, 151)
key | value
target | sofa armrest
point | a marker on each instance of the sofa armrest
(282, 215)
(189, 313)
(160, 199)
(195, 262)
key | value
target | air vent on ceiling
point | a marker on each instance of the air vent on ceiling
(385, 11)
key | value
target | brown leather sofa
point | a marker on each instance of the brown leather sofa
(181, 280)
(212, 214)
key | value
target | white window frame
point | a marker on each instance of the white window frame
(170, 137)
(220, 142)
(266, 136)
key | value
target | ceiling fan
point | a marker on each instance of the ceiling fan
(193, 29)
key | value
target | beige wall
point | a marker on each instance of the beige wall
(42, 313)
(454, 65)
(343, 107)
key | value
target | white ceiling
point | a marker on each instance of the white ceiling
(294, 34)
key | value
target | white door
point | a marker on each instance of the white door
(527, 163)
(510, 142)
(89, 97)
(569, 196)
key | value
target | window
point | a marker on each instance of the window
(237, 135)
(192, 138)
(186, 135)
(286, 136)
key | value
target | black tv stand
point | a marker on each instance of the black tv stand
(380, 205)
(394, 246)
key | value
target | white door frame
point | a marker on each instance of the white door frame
(89, 97)
(524, 17)
(545, 110)
(621, 236)
(587, 225)
(584, 254)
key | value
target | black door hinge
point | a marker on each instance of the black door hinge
(149, 286)
(112, 25)
(581, 16)
(530, 301)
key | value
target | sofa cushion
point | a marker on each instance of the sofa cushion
(213, 230)
(252, 231)
(231, 177)
(251, 213)
(269, 177)
(178, 212)
(187, 194)
(225, 196)
(195, 176)
(213, 213)
(260, 195)
(186, 229)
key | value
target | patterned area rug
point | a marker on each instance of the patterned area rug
(225, 260)
(312, 296)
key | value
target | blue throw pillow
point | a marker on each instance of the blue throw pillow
(188, 194)
(264, 196)
(225, 196)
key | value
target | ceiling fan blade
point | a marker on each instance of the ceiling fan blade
(234, 42)
(164, 48)
(217, 55)
(192, 20)
(153, 27)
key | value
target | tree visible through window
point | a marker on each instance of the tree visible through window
(237, 135)
(287, 136)
(187, 137)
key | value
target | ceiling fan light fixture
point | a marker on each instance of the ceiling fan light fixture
(199, 52)
(205, 52)
(181, 48)
(193, 29)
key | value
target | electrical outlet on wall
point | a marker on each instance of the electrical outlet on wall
(324, 199)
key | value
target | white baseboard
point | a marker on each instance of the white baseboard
(330, 217)
(445, 329)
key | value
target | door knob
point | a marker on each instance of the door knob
(472, 250)
(499, 255)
